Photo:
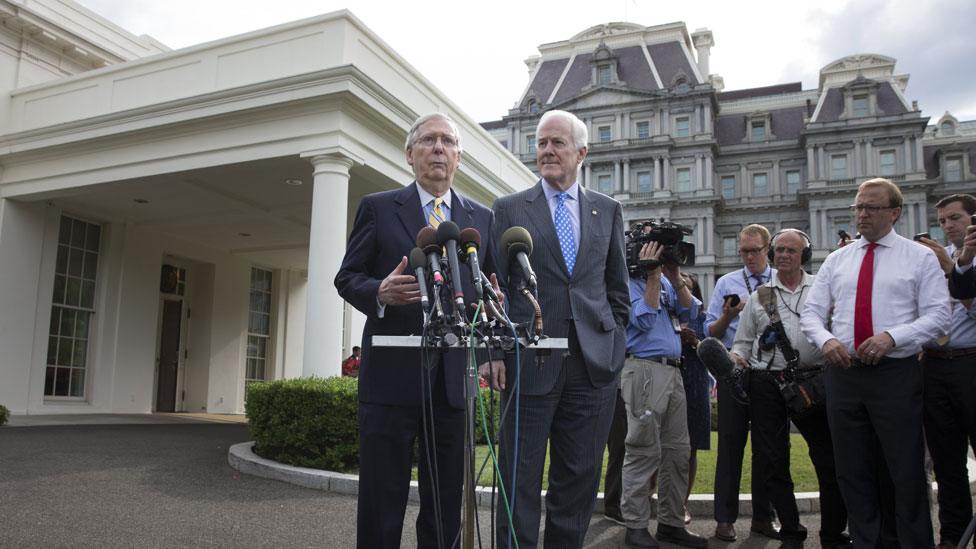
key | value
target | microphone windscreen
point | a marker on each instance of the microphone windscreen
(418, 259)
(715, 357)
(517, 239)
(426, 237)
(470, 236)
(447, 230)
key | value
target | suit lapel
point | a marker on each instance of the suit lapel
(409, 210)
(589, 217)
(461, 211)
(545, 230)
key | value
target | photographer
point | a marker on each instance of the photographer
(949, 400)
(654, 395)
(962, 279)
(786, 383)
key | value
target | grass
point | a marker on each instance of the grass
(804, 477)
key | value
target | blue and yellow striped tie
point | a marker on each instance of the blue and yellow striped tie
(436, 216)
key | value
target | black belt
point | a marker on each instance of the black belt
(950, 354)
(676, 362)
(858, 363)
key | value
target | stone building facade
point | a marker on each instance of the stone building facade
(668, 142)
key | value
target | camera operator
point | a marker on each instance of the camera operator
(949, 399)
(728, 300)
(785, 383)
(654, 395)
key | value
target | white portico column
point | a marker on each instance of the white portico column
(326, 247)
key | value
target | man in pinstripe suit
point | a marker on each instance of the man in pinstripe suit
(566, 399)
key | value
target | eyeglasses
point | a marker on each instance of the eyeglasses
(871, 210)
(429, 140)
(752, 251)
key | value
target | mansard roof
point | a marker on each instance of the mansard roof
(785, 124)
(778, 89)
(890, 102)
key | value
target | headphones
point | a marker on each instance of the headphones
(805, 256)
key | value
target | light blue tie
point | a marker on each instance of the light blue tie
(564, 230)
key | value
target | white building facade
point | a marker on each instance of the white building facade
(171, 221)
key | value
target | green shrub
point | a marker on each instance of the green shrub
(492, 403)
(714, 406)
(306, 422)
(4, 414)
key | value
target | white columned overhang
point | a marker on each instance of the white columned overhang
(327, 243)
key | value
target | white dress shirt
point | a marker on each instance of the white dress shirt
(908, 297)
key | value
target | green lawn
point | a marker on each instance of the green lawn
(804, 478)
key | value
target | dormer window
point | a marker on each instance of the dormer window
(603, 67)
(758, 130)
(860, 106)
(604, 74)
(947, 128)
(860, 98)
(533, 106)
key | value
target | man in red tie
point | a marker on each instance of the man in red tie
(887, 301)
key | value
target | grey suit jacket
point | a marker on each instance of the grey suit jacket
(595, 299)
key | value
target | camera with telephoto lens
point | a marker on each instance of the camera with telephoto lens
(667, 234)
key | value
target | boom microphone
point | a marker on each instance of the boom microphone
(716, 359)
(470, 241)
(417, 261)
(516, 241)
(447, 235)
(427, 241)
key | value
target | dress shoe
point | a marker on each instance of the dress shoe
(640, 537)
(844, 541)
(679, 535)
(687, 516)
(944, 545)
(614, 516)
(791, 543)
(765, 528)
(725, 531)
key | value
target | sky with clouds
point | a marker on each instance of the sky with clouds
(475, 51)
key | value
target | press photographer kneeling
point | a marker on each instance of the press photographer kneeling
(787, 384)
(652, 387)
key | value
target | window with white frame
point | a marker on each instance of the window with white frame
(533, 106)
(859, 106)
(258, 326)
(953, 169)
(838, 166)
(605, 135)
(684, 179)
(728, 247)
(947, 128)
(530, 143)
(643, 129)
(682, 126)
(645, 183)
(792, 181)
(886, 162)
(760, 184)
(604, 184)
(604, 74)
(72, 307)
(758, 130)
(728, 187)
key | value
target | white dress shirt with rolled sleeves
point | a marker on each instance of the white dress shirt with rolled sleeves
(909, 299)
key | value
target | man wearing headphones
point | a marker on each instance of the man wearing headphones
(784, 385)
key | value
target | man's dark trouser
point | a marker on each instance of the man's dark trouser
(874, 406)
(386, 442)
(771, 437)
(950, 429)
(733, 430)
(615, 458)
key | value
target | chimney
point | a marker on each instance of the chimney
(703, 41)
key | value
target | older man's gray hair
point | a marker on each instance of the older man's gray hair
(412, 134)
(580, 134)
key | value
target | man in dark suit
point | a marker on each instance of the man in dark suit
(398, 396)
(962, 278)
(568, 399)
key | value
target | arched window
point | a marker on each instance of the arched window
(947, 128)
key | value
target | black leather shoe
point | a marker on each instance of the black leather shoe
(725, 531)
(640, 537)
(766, 528)
(791, 543)
(680, 536)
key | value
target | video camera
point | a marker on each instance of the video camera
(668, 234)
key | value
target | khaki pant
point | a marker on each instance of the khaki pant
(657, 440)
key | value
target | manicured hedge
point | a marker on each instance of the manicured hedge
(306, 422)
(4, 414)
(311, 422)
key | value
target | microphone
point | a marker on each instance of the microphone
(716, 359)
(427, 241)
(517, 241)
(470, 241)
(417, 260)
(448, 235)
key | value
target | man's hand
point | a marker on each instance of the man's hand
(498, 290)
(739, 361)
(836, 354)
(730, 312)
(968, 246)
(688, 337)
(494, 373)
(651, 251)
(874, 348)
(945, 261)
(398, 288)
